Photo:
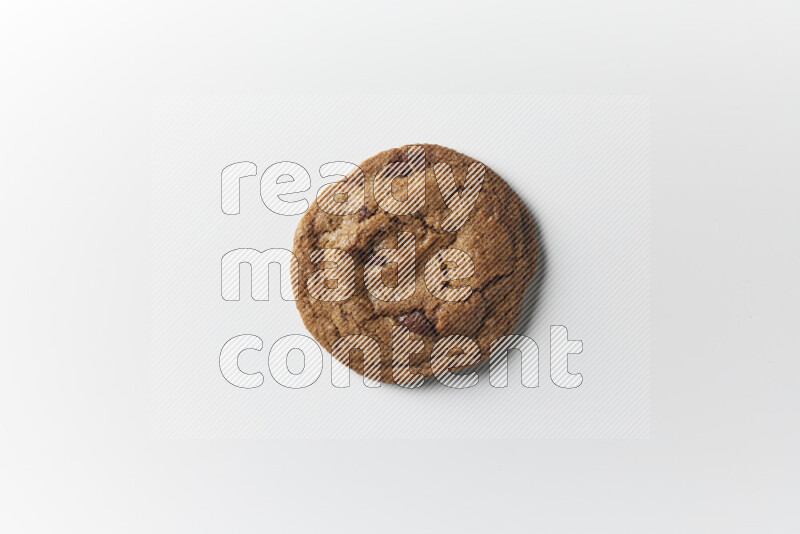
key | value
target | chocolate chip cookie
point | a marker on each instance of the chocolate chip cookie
(417, 251)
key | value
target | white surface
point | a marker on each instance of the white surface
(581, 165)
(723, 83)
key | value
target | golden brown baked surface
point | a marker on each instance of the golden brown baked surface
(498, 236)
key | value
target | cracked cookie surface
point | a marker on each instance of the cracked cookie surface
(498, 236)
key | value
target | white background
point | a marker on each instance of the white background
(581, 164)
(77, 448)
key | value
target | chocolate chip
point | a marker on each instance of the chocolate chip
(364, 213)
(417, 323)
(403, 170)
(379, 260)
(365, 255)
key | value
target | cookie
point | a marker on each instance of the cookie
(414, 264)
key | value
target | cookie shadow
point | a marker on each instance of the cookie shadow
(533, 295)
